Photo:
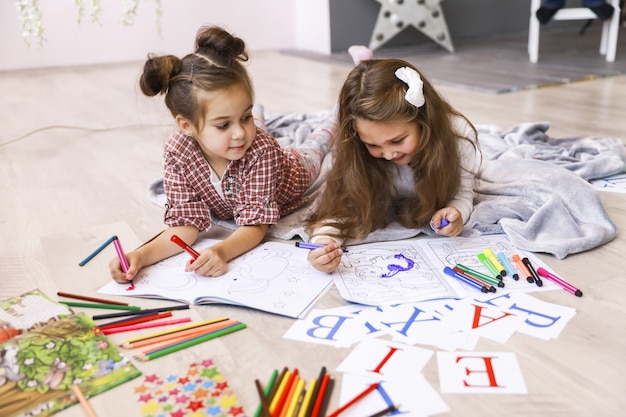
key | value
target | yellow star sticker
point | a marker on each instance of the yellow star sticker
(150, 407)
(425, 15)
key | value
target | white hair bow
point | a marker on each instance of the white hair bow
(415, 92)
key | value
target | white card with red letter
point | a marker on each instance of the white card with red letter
(480, 373)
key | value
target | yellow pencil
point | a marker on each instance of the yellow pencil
(295, 398)
(177, 329)
(279, 392)
(307, 398)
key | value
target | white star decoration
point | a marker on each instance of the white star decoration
(425, 15)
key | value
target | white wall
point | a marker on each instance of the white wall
(267, 24)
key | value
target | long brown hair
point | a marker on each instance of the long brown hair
(359, 195)
(215, 65)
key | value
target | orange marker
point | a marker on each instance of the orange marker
(523, 269)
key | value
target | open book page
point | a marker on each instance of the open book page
(396, 272)
(274, 277)
(38, 368)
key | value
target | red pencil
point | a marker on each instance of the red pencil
(128, 322)
(146, 325)
(319, 399)
(366, 391)
(283, 396)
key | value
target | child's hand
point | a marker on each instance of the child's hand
(453, 216)
(210, 263)
(326, 259)
(134, 265)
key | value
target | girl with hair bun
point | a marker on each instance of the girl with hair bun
(219, 162)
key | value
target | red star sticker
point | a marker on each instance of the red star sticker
(221, 385)
(178, 413)
(195, 405)
(235, 411)
(183, 381)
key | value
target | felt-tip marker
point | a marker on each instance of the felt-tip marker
(191, 251)
(307, 245)
(444, 223)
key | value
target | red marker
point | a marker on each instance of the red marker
(191, 251)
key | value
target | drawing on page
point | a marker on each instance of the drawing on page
(387, 272)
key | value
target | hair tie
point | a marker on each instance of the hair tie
(415, 92)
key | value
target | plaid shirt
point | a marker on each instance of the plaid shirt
(265, 184)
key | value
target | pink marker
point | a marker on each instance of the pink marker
(120, 254)
(566, 286)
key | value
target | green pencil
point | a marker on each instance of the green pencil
(192, 342)
(100, 305)
(266, 392)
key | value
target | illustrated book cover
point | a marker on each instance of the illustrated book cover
(50, 350)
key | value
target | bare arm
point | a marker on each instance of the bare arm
(213, 261)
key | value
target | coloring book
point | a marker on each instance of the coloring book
(53, 350)
(404, 271)
(273, 277)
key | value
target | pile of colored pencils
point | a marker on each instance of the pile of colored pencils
(169, 341)
(286, 395)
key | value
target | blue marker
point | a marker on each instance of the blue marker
(306, 245)
(97, 251)
(465, 280)
(507, 265)
(444, 223)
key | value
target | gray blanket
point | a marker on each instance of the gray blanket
(531, 187)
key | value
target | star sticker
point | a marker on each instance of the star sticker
(195, 405)
(235, 411)
(145, 397)
(222, 385)
(183, 381)
(181, 399)
(228, 401)
(151, 378)
(207, 362)
(425, 15)
(150, 408)
(201, 393)
(178, 413)
(141, 389)
(209, 372)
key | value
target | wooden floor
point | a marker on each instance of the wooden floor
(78, 147)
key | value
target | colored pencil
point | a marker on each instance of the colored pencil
(99, 305)
(316, 389)
(192, 342)
(353, 401)
(264, 406)
(295, 398)
(147, 325)
(282, 391)
(134, 313)
(327, 396)
(177, 337)
(78, 393)
(384, 412)
(97, 251)
(266, 393)
(135, 320)
(307, 398)
(87, 298)
(276, 384)
(319, 398)
(174, 330)
(284, 408)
